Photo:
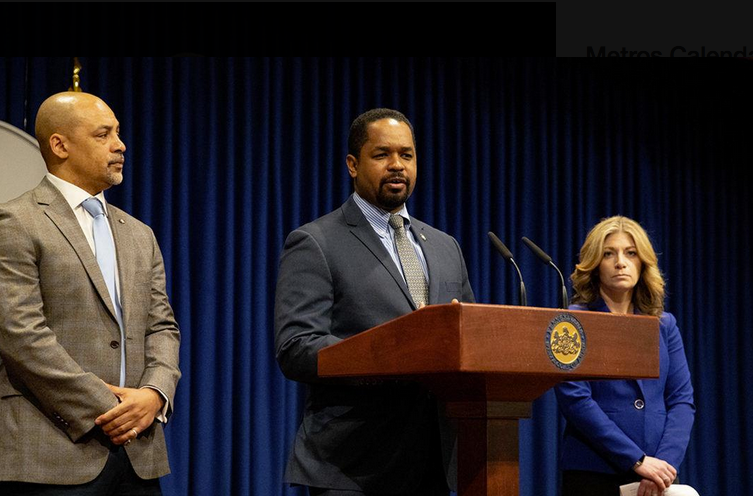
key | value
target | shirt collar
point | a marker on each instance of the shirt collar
(599, 305)
(379, 218)
(73, 194)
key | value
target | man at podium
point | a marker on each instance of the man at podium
(359, 266)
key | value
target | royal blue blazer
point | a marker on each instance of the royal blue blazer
(611, 424)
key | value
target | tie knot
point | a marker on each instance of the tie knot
(396, 221)
(93, 206)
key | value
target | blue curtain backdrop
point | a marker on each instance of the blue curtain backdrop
(226, 156)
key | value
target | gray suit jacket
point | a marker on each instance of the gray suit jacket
(59, 341)
(336, 279)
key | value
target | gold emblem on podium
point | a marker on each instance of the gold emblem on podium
(565, 341)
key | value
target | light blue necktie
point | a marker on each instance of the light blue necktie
(105, 250)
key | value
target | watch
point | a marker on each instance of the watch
(639, 462)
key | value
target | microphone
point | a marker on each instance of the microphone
(548, 261)
(502, 249)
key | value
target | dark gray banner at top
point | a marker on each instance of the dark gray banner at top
(655, 29)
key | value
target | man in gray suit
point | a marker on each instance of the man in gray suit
(88, 341)
(357, 267)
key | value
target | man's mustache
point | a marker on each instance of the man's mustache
(394, 178)
(118, 160)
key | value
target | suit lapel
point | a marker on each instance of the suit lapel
(59, 212)
(124, 253)
(362, 230)
(600, 305)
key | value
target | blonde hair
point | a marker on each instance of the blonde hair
(648, 295)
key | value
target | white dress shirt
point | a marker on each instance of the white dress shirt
(75, 196)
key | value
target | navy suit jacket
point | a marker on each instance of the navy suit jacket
(336, 280)
(611, 424)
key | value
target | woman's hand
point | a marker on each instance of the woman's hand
(657, 475)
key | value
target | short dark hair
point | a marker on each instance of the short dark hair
(359, 132)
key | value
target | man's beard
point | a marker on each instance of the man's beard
(390, 201)
(114, 178)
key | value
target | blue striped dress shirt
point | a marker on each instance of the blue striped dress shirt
(379, 220)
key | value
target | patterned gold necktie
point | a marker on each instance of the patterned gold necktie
(414, 274)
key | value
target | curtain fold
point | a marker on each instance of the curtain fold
(225, 156)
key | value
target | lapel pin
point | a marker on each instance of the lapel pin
(121, 221)
(422, 236)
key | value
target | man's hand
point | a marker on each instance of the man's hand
(657, 475)
(136, 410)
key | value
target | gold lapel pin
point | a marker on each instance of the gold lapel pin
(422, 236)
(121, 221)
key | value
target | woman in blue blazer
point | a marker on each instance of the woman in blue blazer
(625, 431)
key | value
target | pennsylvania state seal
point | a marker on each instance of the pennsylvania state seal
(565, 341)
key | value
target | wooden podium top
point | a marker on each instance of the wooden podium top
(498, 353)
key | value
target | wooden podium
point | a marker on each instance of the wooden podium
(487, 363)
